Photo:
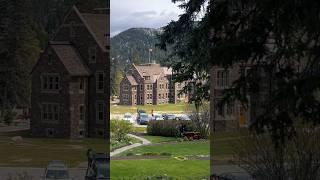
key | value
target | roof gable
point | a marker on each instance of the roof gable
(70, 59)
(97, 25)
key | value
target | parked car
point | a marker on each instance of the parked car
(56, 170)
(183, 117)
(169, 117)
(157, 117)
(98, 167)
(128, 117)
(143, 118)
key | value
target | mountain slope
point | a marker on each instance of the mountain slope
(133, 45)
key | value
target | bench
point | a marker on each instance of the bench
(192, 135)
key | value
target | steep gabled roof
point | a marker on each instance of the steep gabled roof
(98, 23)
(152, 70)
(131, 80)
(70, 58)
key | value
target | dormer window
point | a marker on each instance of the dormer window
(92, 54)
(146, 77)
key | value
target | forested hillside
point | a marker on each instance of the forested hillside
(25, 27)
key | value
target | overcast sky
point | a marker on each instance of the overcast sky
(127, 14)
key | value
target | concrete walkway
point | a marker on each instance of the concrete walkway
(123, 149)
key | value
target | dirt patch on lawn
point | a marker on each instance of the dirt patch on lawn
(138, 157)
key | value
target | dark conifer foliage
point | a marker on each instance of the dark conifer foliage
(25, 28)
(281, 37)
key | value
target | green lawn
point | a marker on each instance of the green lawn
(173, 148)
(140, 169)
(160, 158)
(159, 139)
(37, 152)
(119, 109)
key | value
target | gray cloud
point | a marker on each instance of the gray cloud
(142, 13)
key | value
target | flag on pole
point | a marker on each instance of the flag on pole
(150, 50)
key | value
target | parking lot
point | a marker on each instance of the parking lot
(135, 115)
(37, 173)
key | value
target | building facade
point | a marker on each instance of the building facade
(150, 84)
(70, 82)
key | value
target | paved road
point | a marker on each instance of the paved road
(36, 173)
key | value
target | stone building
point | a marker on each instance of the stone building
(70, 82)
(149, 84)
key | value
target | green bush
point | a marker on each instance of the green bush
(168, 128)
(120, 129)
(8, 117)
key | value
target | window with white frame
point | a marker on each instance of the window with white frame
(222, 79)
(100, 81)
(82, 84)
(50, 112)
(50, 82)
(81, 114)
(100, 110)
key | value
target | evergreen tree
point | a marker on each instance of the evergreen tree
(273, 34)
(21, 49)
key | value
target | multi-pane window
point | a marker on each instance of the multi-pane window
(82, 84)
(222, 78)
(135, 96)
(229, 108)
(50, 112)
(126, 97)
(159, 96)
(126, 87)
(100, 81)
(81, 113)
(50, 82)
(146, 77)
(100, 111)
(141, 87)
(220, 110)
(92, 51)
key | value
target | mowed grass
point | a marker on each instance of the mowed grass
(140, 169)
(148, 161)
(37, 152)
(175, 149)
(167, 108)
(160, 139)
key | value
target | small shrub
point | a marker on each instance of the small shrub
(168, 128)
(129, 154)
(165, 154)
(120, 129)
(8, 116)
(150, 154)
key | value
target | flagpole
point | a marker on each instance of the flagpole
(149, 56)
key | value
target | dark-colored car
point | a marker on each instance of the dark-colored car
(98, 166)
(143, 119)
(169, 117)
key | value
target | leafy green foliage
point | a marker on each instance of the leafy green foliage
(120, 129)
(169, 128)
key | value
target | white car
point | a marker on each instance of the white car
(128, 117)
(157, 117)
(56, 170)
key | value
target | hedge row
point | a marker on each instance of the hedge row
(169, 128)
